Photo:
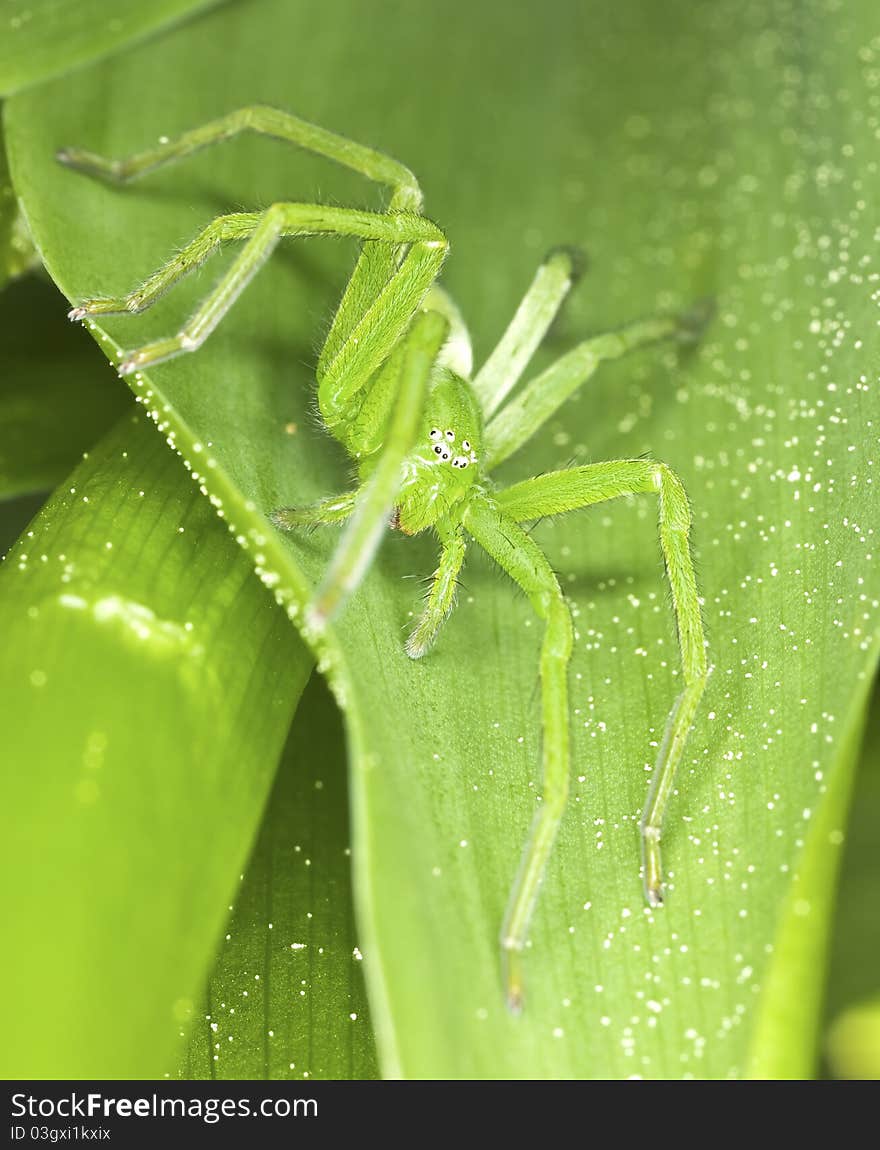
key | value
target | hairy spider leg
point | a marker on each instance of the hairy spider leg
(501, 371)
(333, 509)
(263, 230)
(542, 396)
(517, 553)
(375, 264)
(570, 490)
(441, 594)
(265, 121)
(411, 364)
(359, 363)
(376, 334)
(399, 261)
(493, 383)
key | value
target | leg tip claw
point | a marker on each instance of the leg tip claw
(514, 990)
(574, 258)
(655, 896)
(515, 1000)
(694, 322)
(415, 648)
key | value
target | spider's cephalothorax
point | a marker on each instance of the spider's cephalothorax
(394, 386)
(440, 470)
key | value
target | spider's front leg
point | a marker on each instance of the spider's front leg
(408, 369)
(261, 229)
(494, 523)
(518, 554)
(441, 594)
(373, 341)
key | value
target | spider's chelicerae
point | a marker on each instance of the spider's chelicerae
(395, 387)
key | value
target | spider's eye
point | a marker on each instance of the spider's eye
(465, 446)
(439, 449)
(445, 455)
(450, 435)
(436, 433)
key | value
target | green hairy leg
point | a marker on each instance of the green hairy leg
(562, 491)
(375, 499)
(441, 595)
(501, 371)
(265, 121)
(263, 231)
(516, 552)
(542, 397)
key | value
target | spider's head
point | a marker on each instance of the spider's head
(446, 459)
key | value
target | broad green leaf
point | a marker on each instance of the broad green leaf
(147, 685)
(43, 38)
(722, 150)
(287, 998)
(57, 397)
(15, 514)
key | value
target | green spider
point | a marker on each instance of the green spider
(395, 388)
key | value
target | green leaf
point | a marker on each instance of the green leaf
(57, 398)
(44, 38)
(722, 150)
(786, 1042)
(15, 515)
(147, 684)
(16, 250)
(287, 997)
(852, 1044)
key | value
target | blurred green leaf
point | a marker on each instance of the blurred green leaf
(43, 38)
(57, 397)
(854, 1042)
(722, 150)
(287, 998)
(786, 1044)
(15, 515)
(147, 685)
(16, 250)
(851, 1013)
